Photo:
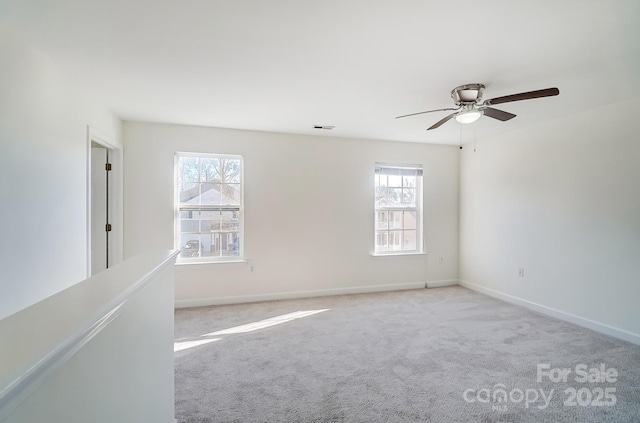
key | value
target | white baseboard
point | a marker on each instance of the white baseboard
(571, 318)
(438, 284)
(296, 294)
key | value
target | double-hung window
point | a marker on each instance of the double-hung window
(398, 209)
(209, 207)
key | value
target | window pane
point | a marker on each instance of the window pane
(190, 245)
(236, 244)
(231, 171)
(395, 240)
(189, 192)
(381, 220)
(395, 220)
(229, 221)
(409, 181)
(382, 197)
(230, 244)
(210, 194)
(409, 220)
(381, 241)
(210, 169)
(394, 197)
(409, 242)
(189, 221)
(208, 244)
(189, 169)
(409, 197)
(210, 221)
(230, 194)
(395, 180)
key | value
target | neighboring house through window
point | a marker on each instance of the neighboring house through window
(398, 209)
(209, 207)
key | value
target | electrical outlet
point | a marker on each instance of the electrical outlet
(441, 260)
(521, 272)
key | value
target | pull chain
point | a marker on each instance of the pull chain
(474, 139)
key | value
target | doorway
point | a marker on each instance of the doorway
(100, 222)
(104, 206)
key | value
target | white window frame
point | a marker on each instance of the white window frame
(418, 209)
(178, 208)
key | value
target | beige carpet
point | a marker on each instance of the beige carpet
(432, 355)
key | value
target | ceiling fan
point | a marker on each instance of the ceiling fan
(470, 108)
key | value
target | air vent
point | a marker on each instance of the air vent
(327, 127)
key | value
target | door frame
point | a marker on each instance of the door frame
(115, 212)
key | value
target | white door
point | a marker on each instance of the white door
(99, 209)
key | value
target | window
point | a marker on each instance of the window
(398, 209)
(209, 199)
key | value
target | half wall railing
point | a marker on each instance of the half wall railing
(98, 351)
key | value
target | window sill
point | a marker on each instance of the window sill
(188, 263)
(397, 254)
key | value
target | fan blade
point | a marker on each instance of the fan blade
(547, 92)
(441, 121)
(498, 114)
(428, 111)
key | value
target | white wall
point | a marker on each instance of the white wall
(562, 200)
(43, 131)
(308, 210)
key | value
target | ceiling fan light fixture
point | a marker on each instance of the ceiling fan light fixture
(468, 116)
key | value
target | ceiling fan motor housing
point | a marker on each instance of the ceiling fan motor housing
(467, 94)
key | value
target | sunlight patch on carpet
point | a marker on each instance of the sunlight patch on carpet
(185, 345)
(262, 324)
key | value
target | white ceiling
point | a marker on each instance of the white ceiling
(286, 65)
